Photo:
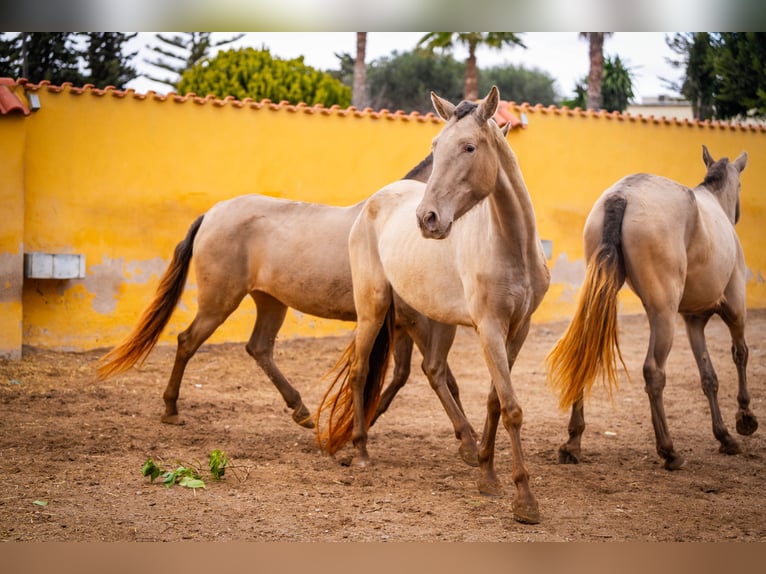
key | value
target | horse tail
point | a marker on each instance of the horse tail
(589, 348)
(340, 406)
(153, 320)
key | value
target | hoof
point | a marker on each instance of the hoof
(729, 446)
(746, 423)
(526, 513)
(469, 453)
(172, 420)
(360, 462)
(674, 462)
(566, 456)
(491, 488)
(303, 417)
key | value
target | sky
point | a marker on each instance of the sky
(563, 55)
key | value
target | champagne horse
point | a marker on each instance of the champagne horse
(462, 249)
(678, 250)
(283, 254)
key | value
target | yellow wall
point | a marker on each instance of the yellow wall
(569, 158)
(120, 177)
(11, 234)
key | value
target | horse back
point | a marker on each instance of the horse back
(679, 247)
(296, 252)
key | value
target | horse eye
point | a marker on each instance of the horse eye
(470, 148)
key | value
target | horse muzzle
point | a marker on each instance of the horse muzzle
(432, 226)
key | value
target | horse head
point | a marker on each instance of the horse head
(465, 163)
(722, 179)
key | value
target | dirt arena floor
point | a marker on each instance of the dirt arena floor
(72, 449)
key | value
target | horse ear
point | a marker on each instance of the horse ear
(444, 108)
(506, 129)
(741, 162)
(706, 157)
(488, 106)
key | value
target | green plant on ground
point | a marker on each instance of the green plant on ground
(185, 474)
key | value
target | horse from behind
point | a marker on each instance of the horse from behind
(678, 250)
(462, 249)
(283, 254)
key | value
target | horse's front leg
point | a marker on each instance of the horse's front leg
(270, 317)
(695, 330)
(499, 358)
(569, 452)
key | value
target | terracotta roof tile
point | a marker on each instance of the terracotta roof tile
(10, 102)
(511, 112)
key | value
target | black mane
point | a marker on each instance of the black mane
(716, 175)
(465, 108)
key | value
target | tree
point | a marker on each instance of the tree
(180, 52)
(252, 73)
(472, 40)
(11, 55)
(405, 81)
(518, 84)
(698, 64)
(596, 70)
(740, 66)
(39, 56)
(107, 64)
(359, 98)
(616, 87)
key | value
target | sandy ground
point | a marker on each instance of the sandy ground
(72, 449)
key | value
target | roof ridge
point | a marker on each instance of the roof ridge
(228, 100)
(352, 111)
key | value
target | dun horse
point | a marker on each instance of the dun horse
(677, 249)
(283, 254)
(462, 249)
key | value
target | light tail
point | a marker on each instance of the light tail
(339, 405)
(589, 349)
(145, 334)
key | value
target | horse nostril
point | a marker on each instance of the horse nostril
(430, 220)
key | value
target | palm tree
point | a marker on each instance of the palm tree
(596, 74)
(359, 94)
(472, 40)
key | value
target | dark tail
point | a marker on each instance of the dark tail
(587, 349)
(340, 419)
(145, 335)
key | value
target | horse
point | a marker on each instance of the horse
(283, 254)
(461, 249)
(678, 250)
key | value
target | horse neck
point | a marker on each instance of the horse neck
(512, 207)
(728, 201)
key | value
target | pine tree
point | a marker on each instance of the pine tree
(38, 56)
(180, 52)
(106, 62)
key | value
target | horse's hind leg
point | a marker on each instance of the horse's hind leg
(402, 365)
(569, 452)
(435, 344)
(747, 423)
(695, 330)
(660, 342)
(270, 316)
(203, 325)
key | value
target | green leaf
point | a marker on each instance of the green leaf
(218, 462)
(40, 502)
(190, 482)
(151, 469)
